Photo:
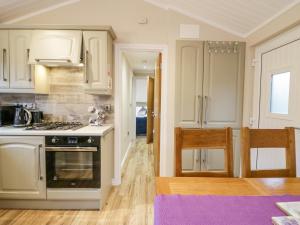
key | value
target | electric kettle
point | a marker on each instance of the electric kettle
(22, 117)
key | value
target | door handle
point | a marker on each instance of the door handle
(40, 177)
(29, 66)
(199, 108)
(206, 108)
(3, 64)
(86, 64)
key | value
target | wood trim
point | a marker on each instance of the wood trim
(208, 139)
(268, 138)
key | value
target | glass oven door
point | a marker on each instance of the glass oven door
(73, 167)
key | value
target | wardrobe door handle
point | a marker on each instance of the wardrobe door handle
(206, 108)
(3, 65)
(86, 62)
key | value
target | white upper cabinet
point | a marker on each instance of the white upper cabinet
(98, 62)
(56, 47)
(22, 168)
(4, 59)
(21, 73)
(189, 75)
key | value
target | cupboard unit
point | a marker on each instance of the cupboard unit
(21, 73)
(57, 47)
(22, 168)
(98, 62)
(209, 93)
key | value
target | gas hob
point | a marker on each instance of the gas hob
(56, 126)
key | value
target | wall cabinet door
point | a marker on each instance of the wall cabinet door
(189, 76)
(223, 84)
(4, 59)
(56, 46)
(21, 73)
(22, 168)
(98, 60)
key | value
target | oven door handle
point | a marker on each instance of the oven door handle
(71, 149)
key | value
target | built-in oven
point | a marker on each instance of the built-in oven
(73, 161)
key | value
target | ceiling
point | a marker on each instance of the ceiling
(239, 17)
(14, 10)
(141, 62)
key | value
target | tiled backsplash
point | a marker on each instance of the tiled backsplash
(66, 100)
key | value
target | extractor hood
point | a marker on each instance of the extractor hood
(56, 47)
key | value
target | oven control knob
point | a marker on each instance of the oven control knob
(90, 140)
(54, 140)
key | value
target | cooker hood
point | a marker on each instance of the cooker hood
(56, 48)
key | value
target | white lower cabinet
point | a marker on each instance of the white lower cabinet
(22, 168)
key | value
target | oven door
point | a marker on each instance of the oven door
(73, 167)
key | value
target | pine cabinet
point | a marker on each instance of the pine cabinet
(21, 73)
(209, 94)
(98, 62)
(4, 59)
(22, 168)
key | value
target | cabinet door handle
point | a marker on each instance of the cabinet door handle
(29, 66)
(206, 108)
(199, 108)
(86, 65)
(40, 177)
(3, 65)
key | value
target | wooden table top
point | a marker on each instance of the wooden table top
(227, 186)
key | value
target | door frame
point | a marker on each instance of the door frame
(165, 110)
(279, 41)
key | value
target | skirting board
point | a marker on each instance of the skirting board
(126, 154)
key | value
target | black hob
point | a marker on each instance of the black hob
(56, 126)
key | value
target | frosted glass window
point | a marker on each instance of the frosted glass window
(280, 89)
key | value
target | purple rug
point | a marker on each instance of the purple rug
(217, 210)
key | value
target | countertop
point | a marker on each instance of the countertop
(84, 131)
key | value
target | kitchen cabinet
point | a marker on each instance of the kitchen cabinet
(22, 168)
(56, 47)
(98, 62)
(209, 93)
(4, 59)
(21, 73)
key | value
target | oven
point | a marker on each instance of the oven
(73, 161)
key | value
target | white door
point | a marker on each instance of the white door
(21, 72)
(96, 64)
(22, 168)
(279, 99)
(4, 59)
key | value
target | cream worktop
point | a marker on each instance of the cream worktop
(84, 131)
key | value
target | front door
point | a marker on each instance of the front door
(279, 106)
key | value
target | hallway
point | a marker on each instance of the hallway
(130, 203)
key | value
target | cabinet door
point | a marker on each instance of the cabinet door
(223, 84)
(21, 73)
(4, 59)
(55, 46)
(22, 168)
(189, 76)
(97, 48)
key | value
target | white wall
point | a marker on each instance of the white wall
(141, 89)
(127, 76)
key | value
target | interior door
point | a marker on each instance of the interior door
(157, 106)
(150, 109)
(279, 99)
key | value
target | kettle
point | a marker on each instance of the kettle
(22, 117)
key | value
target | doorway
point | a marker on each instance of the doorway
(136, 66)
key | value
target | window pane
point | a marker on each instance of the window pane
(280, 88)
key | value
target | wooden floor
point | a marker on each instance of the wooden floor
(130, 203)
